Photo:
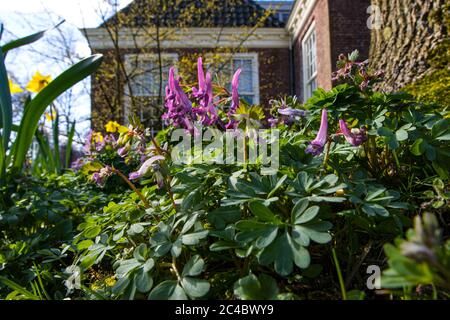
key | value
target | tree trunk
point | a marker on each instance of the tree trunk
(408, 32)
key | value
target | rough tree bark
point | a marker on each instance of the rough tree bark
(409, 31)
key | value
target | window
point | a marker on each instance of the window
(144, 73)
(309, 63)
(144, 87)
(249, 78)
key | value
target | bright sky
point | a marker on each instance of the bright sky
(78, 12)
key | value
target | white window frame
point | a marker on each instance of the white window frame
(308, 80)
(253, 56)
(129, 61)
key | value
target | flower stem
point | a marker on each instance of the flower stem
(339, 273)
(133, 187)
(327, 155)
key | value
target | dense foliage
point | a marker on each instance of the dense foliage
(131, 223)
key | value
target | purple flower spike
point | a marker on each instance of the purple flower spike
(146, 166)
(235, 91)
(291, 112)
(122, 152)
(77, 164)
(355, 137)
(197, 93)
(87, 144)
(100, 177)
(179, 108)
(316, 146)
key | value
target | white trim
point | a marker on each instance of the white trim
(299, 16)
(192, 38)
(128, 65)
(255, 71)
(306, 79)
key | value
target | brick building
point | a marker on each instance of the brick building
(292, 52)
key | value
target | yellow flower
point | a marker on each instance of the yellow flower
(38, 82)
(110, 281)
(97, 137)
(113, 126)
(14, 88)
(50, 116)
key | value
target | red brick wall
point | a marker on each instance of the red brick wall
(274, 80)
(348, 22)
(320, 17)
(340, 28)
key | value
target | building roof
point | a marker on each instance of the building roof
(196, 14)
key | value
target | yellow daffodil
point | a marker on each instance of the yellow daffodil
(113, 126)
(38, 82)
(14, 88)
(97, 137)
(50, 116)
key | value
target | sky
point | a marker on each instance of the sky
(24, 17)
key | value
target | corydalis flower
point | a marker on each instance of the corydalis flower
(355, 137)
(289, 115)
(145, 168)
(235, 91)
(206, 110)
(291, 112)
(77, 164)
(179, 108)
(316, 146)
(100, 177)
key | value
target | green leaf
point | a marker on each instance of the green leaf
(279, 253)
(263, 233)
(92, 232)
(383, 131)
(26, 40)
(143, 281)
(251, 287)
(418, 147)
(167, 290)
(69, 144)
(42, 100)
(223, 215)
(306, 216)
(5, 108)
(14, 286)
(136, 229)
(440, 130)
(277, 186)
(195, 288)
(126, 266)
(193, 238)
(262, 212)
(140, 253)
(401, 135)
(120, 285)
(373, 209)
(313, 232)
(85, 244)
(193, 267)
(301, 255)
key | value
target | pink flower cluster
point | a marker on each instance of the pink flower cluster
(180, 109)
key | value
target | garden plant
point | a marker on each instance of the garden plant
(361, 188)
